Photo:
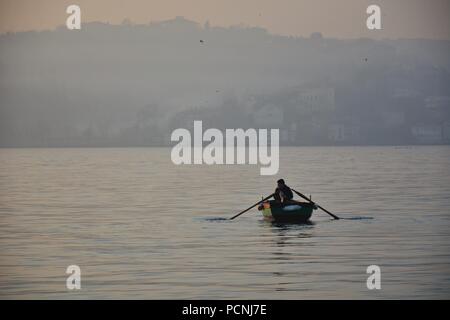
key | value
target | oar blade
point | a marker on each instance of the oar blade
(242, 212)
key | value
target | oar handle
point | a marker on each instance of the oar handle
(309, 200)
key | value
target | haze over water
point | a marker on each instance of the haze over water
(140, 227)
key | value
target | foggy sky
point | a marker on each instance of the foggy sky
(128, 85)
(339, 19)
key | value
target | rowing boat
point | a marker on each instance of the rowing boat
(294, 211)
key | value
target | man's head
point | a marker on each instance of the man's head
(280, 183)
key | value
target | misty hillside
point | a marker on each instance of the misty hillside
(130, 85)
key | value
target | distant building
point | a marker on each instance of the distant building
(299, 112)
(393, 118)
(269, 116)
(446, 132)
(149, 116)
(437, 102)
(405, 93)
(288, 134)
(185, 118)
(317, 99)
(344, 133)
(284, 136)
(427, 133)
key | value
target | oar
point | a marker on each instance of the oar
(306, 198)
(242, 212)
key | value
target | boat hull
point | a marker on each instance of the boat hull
(298, 212)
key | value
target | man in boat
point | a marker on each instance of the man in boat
(283, 193)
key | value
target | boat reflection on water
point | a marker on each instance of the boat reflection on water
(289, 243)
(289, 233)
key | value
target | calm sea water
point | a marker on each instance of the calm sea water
(140, 227)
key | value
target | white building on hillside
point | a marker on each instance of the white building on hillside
(317, 99)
